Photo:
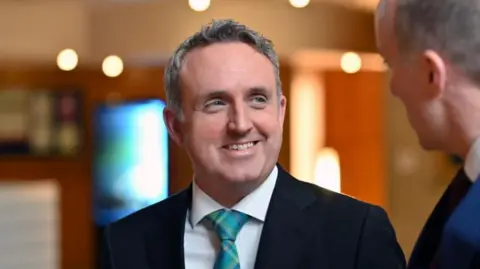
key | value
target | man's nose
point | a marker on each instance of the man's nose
(240, 121)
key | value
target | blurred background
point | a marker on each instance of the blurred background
(83, 143)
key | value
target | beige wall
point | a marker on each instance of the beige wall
(38, 30)
(150, 30)
(156, 28)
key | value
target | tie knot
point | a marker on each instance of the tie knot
(227, 223)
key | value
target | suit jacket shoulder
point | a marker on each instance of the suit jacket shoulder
(153, 215)
(342, 231)
(335, 208)
(148, 236)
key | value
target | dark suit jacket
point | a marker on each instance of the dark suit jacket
(460, 246)
(452, 217)
(306, 227)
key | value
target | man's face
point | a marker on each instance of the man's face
(410, 80)
(232, 117)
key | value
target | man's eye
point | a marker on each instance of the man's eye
(216, 102)
(260, 99)
(259, 102)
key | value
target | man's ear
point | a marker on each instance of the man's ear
(173, 125)
(283, 108)
(436, 71)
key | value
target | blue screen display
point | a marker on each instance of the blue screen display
(130, 159)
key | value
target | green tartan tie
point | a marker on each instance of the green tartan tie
(227, 224)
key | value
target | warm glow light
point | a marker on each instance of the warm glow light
(299, 3)
(112, 66)
(351, 62)
(67, 60)
(199, 5)
(327, 170)
(307, 130)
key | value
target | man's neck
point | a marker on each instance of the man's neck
(461, 147)
(462, 141)
(464, 113)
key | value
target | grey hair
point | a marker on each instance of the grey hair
(450, 27)
(217, 31)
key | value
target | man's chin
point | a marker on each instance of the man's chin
(241, 177)
(244, 172)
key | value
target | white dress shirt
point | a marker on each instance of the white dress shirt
(472, 162)
(202, 245)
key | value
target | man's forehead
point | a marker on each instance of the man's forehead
(381, 9)
(382, 14)
(384, 22)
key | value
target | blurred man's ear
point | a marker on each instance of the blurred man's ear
(436, 72)
(173, 125)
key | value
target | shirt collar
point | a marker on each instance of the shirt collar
(472, 162)
(255, 204)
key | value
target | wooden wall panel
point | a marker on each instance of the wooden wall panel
(286, 77)
(74, 175)
(355, 128)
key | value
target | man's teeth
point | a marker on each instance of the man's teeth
(241, 146)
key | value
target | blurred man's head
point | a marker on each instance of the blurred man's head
(225, 105)
(433, 50)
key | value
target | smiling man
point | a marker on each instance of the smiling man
(225, 107)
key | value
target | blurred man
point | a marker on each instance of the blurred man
(242, 210)
(433, 50)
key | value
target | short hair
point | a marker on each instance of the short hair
(449, 27)
(217, 31)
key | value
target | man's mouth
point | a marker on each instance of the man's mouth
(241, 146)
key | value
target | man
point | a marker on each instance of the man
(432, 49)
(226, 109)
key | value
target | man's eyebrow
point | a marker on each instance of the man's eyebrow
(214, 94)
(259, 90)
(223, 93)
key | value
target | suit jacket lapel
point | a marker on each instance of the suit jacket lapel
(164, 243)
(284, 233)
(429, 240)
(461, 236)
